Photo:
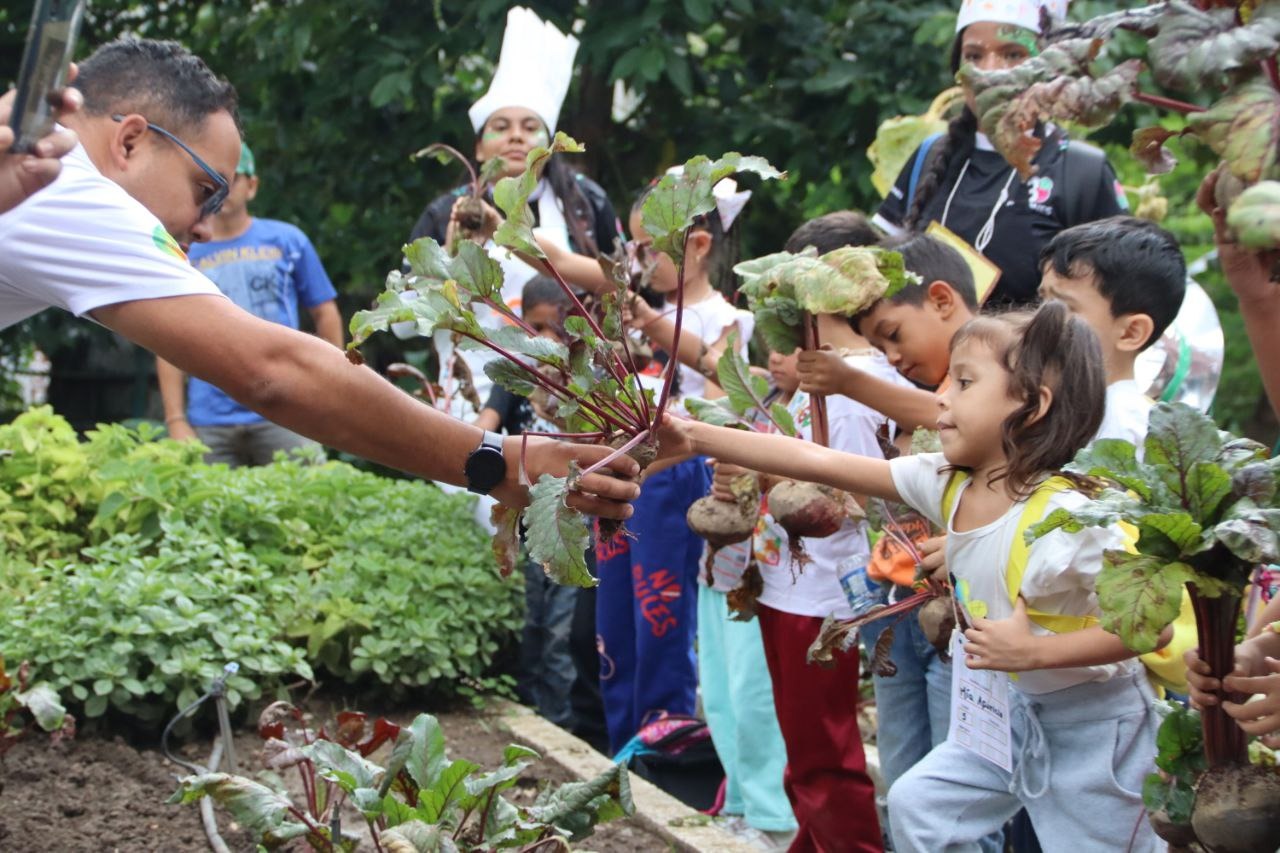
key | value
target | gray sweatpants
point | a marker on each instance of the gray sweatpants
(1079, 760)
(248, 444)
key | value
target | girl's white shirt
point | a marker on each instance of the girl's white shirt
(1062, 568)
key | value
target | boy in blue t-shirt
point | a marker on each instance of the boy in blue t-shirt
(268, 268)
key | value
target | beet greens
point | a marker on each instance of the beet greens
(590, 381)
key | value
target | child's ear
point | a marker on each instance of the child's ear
(1046, 400)
(942, 297)
(699, 244)
(1134, 331)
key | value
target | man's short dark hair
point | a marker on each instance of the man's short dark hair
(932, 260)
(1136, 265)
(833, 231)
(161, 80)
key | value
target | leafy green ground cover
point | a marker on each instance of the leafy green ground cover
(130, 573)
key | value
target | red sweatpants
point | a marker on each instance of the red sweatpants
(826, 777)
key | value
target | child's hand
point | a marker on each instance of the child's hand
(1202, 687)
(1001, 644)
(1261, 717)
(675, 435)
(934, 552)
(722, 480)
(822, 371)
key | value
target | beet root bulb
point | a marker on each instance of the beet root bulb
(1236, 808)
(720, 522)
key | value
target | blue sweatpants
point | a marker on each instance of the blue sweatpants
(647, 605)
(1080, 756)
(737, 698)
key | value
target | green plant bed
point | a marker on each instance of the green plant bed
(131, 573)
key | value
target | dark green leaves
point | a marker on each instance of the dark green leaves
(673, 205)
(1244, 129)
(1206, 49)
(256, 807)
(558, 536)
(1139, 595)
(1255, 216)
(511, 195)
(1180, 754)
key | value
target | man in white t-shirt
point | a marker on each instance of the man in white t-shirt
(1125, 277)
(159, 139)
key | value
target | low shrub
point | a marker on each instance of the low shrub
(131, 572)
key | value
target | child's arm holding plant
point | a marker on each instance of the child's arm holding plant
(780, 455)
(1008, 645)
(825, 372)
(660, 327)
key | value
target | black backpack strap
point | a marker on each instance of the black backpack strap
(1084, 170)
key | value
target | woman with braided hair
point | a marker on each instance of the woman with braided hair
(959, 180)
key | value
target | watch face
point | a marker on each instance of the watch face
(485, 469)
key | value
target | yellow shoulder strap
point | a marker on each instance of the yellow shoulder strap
(949, 495)
(1033, 511)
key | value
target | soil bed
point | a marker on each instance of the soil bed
(97, 794)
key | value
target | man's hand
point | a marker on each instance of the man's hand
(23, 175)
(1260, 717)
(181, 430)
(1001, 644)
(1248, 273)
(601, 493)
(822, 371)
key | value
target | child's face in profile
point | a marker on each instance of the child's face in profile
(916, 339)
(546, 320)
(783, 370)
(974, 406)
(664, 278)
(1081, 296)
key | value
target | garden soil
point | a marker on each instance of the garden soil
(100, 795)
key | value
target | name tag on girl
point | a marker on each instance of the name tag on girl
(980, 709)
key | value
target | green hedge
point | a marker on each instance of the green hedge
(130, 572)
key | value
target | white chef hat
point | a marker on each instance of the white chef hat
(534, 70)
(1020, 13)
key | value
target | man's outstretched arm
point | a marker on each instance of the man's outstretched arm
(306, 385)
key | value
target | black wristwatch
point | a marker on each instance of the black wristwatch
(486, 466)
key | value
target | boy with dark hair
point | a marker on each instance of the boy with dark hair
(1126, 278)
(833, 231)
(913, 328)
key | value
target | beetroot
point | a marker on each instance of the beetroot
(742, 598)
(937, 620)
(1236, 809)
(471, 215)
(644, 454)
(720, 522)
(808, 510)
(1178, 835)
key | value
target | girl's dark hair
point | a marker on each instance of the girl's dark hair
(725, 247)
(578, 213)
(943, 162)
(1052, 348)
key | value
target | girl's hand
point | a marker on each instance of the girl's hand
(934, 552)
(1261, 717)
(637, 313)
(675, 435)
(1001, 644)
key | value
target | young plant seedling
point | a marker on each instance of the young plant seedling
(592, 383)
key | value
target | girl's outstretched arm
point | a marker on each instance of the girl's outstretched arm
(793, 458)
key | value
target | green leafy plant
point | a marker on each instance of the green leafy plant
(1180, 759)
(1206, 511)
(24, 705)
(592, 383)
(1228, 49)
(167, 569)
(418, 801)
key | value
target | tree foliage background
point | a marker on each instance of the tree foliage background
(336, 94)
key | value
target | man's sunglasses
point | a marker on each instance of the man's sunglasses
(214, 202)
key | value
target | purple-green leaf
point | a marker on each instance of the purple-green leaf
(1139, 595)
(558, 536)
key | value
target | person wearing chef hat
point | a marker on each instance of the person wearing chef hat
(519, 112)
(959, 180)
